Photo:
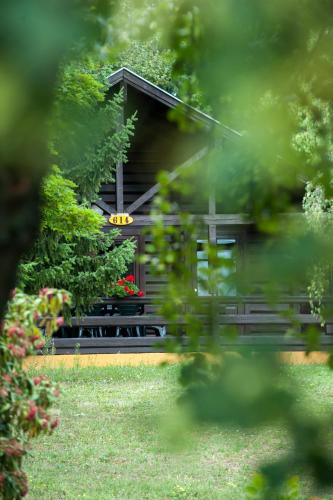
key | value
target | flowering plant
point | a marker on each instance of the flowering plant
(25, 401)
(126, 287)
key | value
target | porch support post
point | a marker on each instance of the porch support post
(120, 166)
(212, 233)
(212, 211)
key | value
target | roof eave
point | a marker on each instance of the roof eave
(137, 81)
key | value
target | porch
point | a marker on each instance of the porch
(258, 325)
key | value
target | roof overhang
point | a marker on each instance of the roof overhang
(128, 77)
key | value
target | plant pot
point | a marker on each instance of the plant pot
(127, 309)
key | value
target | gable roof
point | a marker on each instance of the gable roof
(129, 77)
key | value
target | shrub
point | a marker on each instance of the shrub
(25, 402)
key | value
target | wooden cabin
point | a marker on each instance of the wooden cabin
(159, 144)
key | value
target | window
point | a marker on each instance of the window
(226, 252)
(202, 269)
(222, 285)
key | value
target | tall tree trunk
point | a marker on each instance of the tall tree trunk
(19, 221)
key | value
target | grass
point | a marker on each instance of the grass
(118, 441)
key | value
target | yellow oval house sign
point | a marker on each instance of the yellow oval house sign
(120, 219)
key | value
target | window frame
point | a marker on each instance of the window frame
(222, 233)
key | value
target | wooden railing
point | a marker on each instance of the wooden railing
(224, 319)
(149, 343)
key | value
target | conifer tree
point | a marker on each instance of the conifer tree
(88, 134)
(72, 252)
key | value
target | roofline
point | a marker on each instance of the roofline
(137, 81)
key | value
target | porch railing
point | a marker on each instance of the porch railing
(263, 321)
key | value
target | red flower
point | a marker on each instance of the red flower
(127, 290)
(130, 278)
(121, 282)
(32, 411)
(130, 292)
(140, 293)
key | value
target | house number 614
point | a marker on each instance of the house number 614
(120, 219)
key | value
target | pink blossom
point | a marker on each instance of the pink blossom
(60, 321)
(40, 345)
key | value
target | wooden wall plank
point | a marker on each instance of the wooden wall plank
(152, 344)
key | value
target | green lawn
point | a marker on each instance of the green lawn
(118, 440)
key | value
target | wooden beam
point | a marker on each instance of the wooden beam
(120, 188)
(173, 220)
(151, 341)
(212, 201)
(120, 165)
(212, 234)
(212, 209)
(155, 344)
(107, 341)
(104, 206)
(149, 320)
(224, 319)
(172, 176)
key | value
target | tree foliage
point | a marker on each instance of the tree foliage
(88, 136)
(72, 251)
(266, 69)
(151, 61)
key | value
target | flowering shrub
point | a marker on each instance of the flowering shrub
(25, 401)
(126, 287)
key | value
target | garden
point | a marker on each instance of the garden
(166, 209)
